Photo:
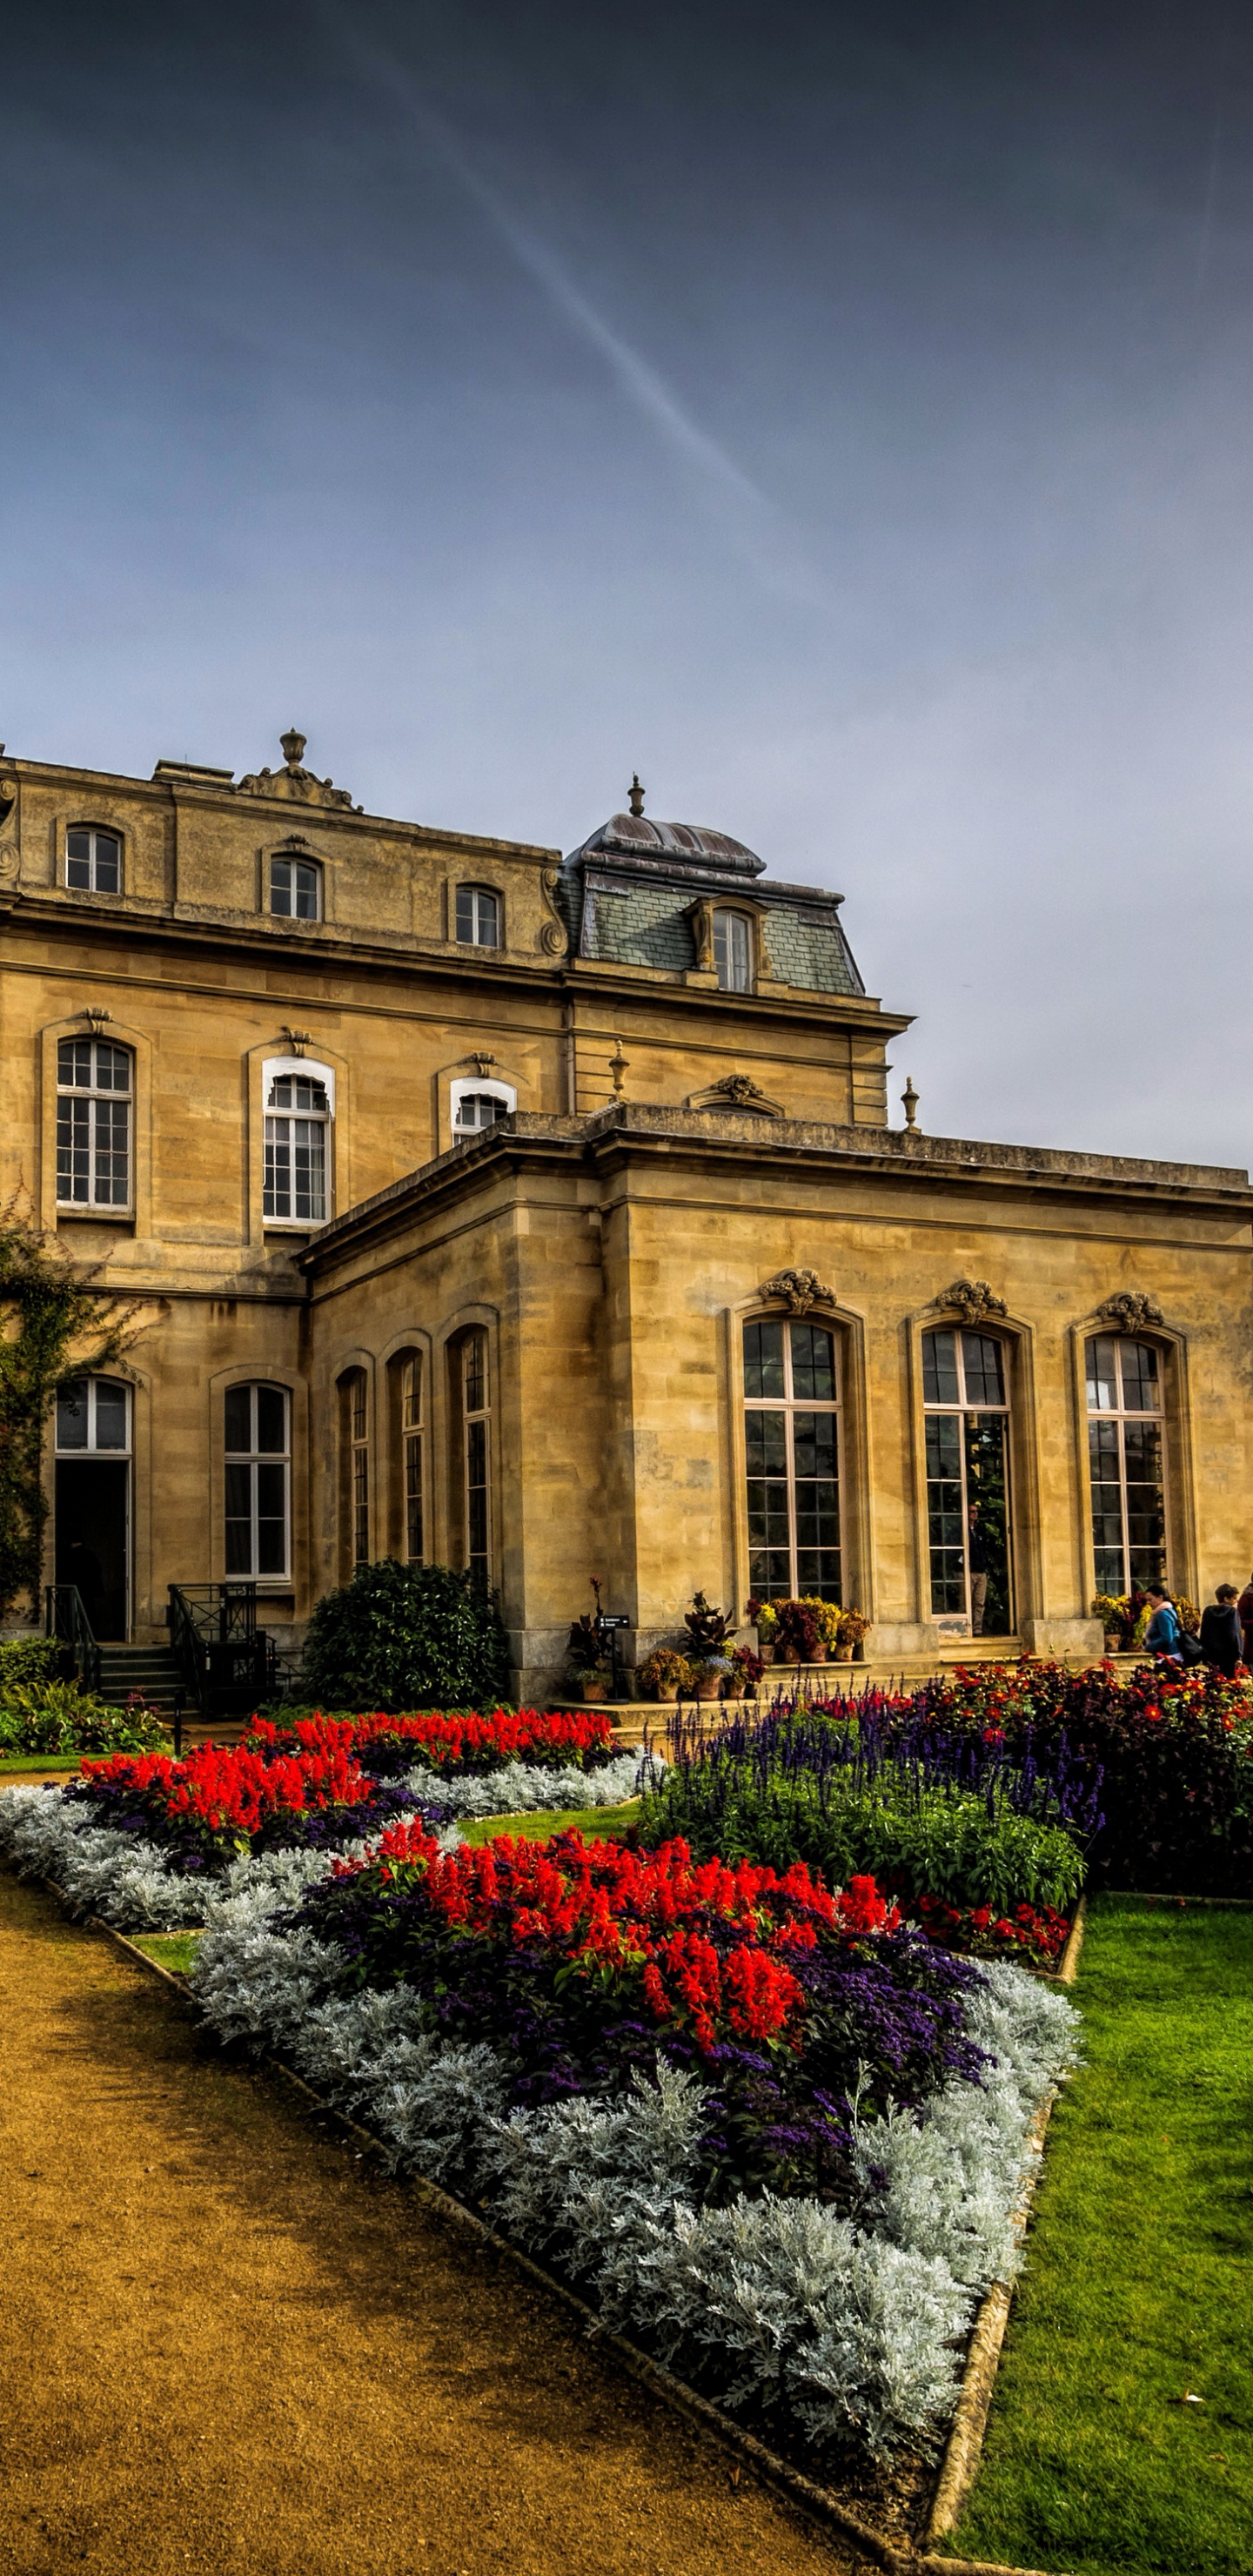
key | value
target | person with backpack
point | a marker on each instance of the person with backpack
(1164, 1635)
(1222, 1637)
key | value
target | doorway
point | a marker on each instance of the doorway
(93, 1489)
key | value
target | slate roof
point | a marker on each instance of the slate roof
(626, 894)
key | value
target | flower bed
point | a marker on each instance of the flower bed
(771, 2132)
(941, 1818)
(132, 1840)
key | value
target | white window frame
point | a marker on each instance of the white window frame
(789, 1404)
(476, 892)
(958, 1409)
(734, 972)
(1122, 1414)
(95, 832)
(278, 1068)
(470, 1087)
(252, 1458)
(89, 1448)
(95, 1093)
(295, 859)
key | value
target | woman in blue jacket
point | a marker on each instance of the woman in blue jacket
(1162, 1635)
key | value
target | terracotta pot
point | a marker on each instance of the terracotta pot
(596, 1691)
(708, 1690)
(667, 1691)
(1113, 1641)
(819, 1655)
(788, 1655)
(766, 1653)
(844, 1654)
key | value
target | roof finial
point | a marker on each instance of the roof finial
(909, 1103)
(292, 745)
(635, 795)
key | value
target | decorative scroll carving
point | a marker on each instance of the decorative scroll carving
(798, 1289)
(1130, 1311)
(735, 1091)
(8, 795)
(973, 1299)
(10, 863)
(554, 938)
(294, 784)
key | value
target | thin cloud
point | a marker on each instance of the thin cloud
(756, 523)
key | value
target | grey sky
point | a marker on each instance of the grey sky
(840, 414)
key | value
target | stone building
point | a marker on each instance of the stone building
(543, 1217)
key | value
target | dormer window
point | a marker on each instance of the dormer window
(296, 889)
(478, 917)
(733, 952)
(93, 860)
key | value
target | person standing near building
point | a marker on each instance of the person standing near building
(1163, 1632)
(1222, 1634)
(977, 1559)
(1244, 1608)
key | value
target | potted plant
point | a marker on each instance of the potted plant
(798, 1632)
(767, 1620)
(666, 1675)
(827, 1622)
(744, 1676)
(850, 1630)
(707, 1638)
(591, 1661)
(1113, 1610)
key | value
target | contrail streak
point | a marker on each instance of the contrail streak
(759, 525)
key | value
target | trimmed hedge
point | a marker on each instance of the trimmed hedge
(402, 1637)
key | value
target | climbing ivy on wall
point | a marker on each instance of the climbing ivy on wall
(54, 1325)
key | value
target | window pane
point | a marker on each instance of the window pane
(475, 1372)
(813, 1362)
(939, 1368)
(271, 1419)
(309, 1169)
(1141, 1386)
(945, 1517)
(813, 1436)
(73, 1150)
(239, 1417)
(413, 1499)
(239, 1519)
(72, 1415)
(110, 1414)
(271, 1520)
(985, 1383)
(305, 887)
(78, 859)
(280, 885)
(1101, 1358)
(113, 1067)
(412, 1396)
(108, 863)
(763, 1359)
(765, 1437)
(276, 1186)
(731, 951)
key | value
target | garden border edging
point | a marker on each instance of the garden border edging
(814, 2502)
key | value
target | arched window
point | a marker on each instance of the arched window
(1125, 1458)
(471, 1397)
(733, 952)
(354, 1454)
(296, 889)
(93, 860)
(297, 1158)
(93, 1123)
(408, 1445)
(476, 1102)
(967, 1436)
(478, 917)
(258, 1481)
(792, 1445)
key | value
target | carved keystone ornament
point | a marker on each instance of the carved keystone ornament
(798, 1289)
(973, 1299)
(1130, 1311)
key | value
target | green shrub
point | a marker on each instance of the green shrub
(922, 1843)
(401, 1637)
(56, 1717)
(27, 1661)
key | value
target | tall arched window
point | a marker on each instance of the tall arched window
(295, 1190)
(1124, 1382)
(93, 1123)
(733, 952)
(471, 1394)
(258, 1481)
(967, 1435)
(93, 860)
(354, 1466)
(478, 917)
(296, 889)
(792, 1444)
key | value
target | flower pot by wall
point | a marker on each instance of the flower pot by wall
(788, 1655)
(596, 1690)
(667, 1691)
(708, 1690)
(844, 1654)
(766, 1653)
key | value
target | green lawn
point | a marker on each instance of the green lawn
(596, 1824)
(1140, 2267)
(174, 1950)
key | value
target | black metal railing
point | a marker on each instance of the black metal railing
(226, 1661)
(65, 1617)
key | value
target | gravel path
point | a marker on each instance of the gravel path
(226, 2345)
